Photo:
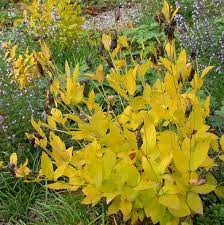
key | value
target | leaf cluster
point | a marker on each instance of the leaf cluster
(28, 67)
(59, 21)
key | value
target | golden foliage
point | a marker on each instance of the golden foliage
(146, 159)
(20, 171)
(29, 66)
(57, 19)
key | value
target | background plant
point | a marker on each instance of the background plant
(213, 211)
(57, 20)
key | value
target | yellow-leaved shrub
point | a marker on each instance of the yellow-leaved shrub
(145, 151)
(58, 20)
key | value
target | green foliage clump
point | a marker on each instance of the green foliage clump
(214, 212)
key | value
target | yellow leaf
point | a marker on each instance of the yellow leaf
(95, 173)
(76, 73)
(174, 13)
(13, 159)
(126, 173)
(170, 201)
(99, 76)
(149, 169)
(59, 171)
(208, 163)
(167, 141)
(67, 69)
(203, 189)
(123, 41)
(114, 54)
(207, 106)
(62, 186)
(145, 184)
(199, 154)
(59, 152)
(219, 191)
(54, 88)
(109, 161)
(211, 179)
(130, 80)
(170, 50)
(194, 202)
(13, 52)
(221, 157)
(115, 85)
(147, 93)
(37, 127)
(221, 141)
(106, 40)
(57, 115)
(165, 163)
(169, 189)
(91, 100)
(181, 61)
(23, 170)
(183, 211)
(69, 83)
(142, 70)
(1, 164)
(197, 82)
(120, 63)
(167, 63)
(47, 166)
(154, 210)
(186, 223)
(149, 136)
(43, 143)
(93, 196)
(125, 207)
(114, 207)
(46, 51)
(166, 10)
(181, 160)
(206, 70)
(51, 122)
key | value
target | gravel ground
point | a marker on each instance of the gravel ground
(106, 20)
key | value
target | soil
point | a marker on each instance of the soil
(118, 18)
